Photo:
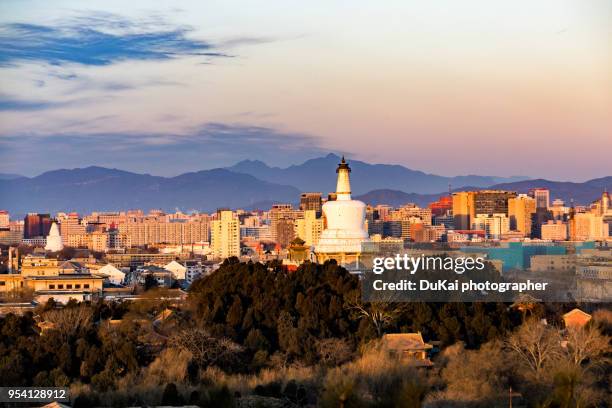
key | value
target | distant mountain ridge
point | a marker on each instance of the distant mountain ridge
(314, 175)
(249, 185)
(98, 188)
(581, 193)
(9, 176)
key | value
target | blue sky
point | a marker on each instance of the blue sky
(479, 87)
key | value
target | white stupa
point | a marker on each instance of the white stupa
(345, 237)
(54, 239)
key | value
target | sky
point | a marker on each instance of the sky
(451, 88)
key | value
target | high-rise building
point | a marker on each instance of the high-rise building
(463, 209)
(4, 219)
(489, 202)
(541, 196)
(309, 228)
(494, 225)
(280, 212)
(520, 211)
(469, 204)
(311, 201)
(71, 225)
(36, 225)
(285, 231)
(225, 235)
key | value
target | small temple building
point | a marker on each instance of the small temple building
(409, 348)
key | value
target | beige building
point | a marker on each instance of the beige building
(543, 263)
(494, 225)
(520, 210)
(225, 235)
(587, 226)
(49, 277)
(554, 231)
(309, 228)
(4, 219)
(160, 232)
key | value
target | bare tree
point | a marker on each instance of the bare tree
(380, 314)
(69, 320)
(333, 351)
(206, 349)
(535, 345)
(586, 347)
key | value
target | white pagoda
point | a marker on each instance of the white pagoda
(54, 239)
(345, 237)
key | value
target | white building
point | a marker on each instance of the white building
(178, 270)
(114, 275)
(54, 239)
(345, 237)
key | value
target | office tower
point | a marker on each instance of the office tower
(36, 225)
(494, 225)
(559, 210)
(71, 225)
(489, 202)
(225, 235)
(541, 196)
(311, 201)
(309, 228)
(285, 231)
(520, 212)
(4, 219)
(463, 209)
(279, 212)
(469, 204)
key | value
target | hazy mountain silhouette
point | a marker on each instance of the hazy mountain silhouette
(98, 188)
(9, 176)
(318, 175)
(248, 185)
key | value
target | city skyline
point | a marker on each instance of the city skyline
(207, 85)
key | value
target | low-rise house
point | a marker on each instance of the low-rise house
(408, 347)
(112, 274)
(164, 278)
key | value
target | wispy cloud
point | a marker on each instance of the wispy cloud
(211, 145)
(99, 39)
(9, 103)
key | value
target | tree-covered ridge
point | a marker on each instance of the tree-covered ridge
(250, 331)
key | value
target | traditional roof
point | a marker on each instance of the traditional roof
(405, 341)
(576, 317)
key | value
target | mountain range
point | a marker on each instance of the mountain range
(251, 185)
(317, 175)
